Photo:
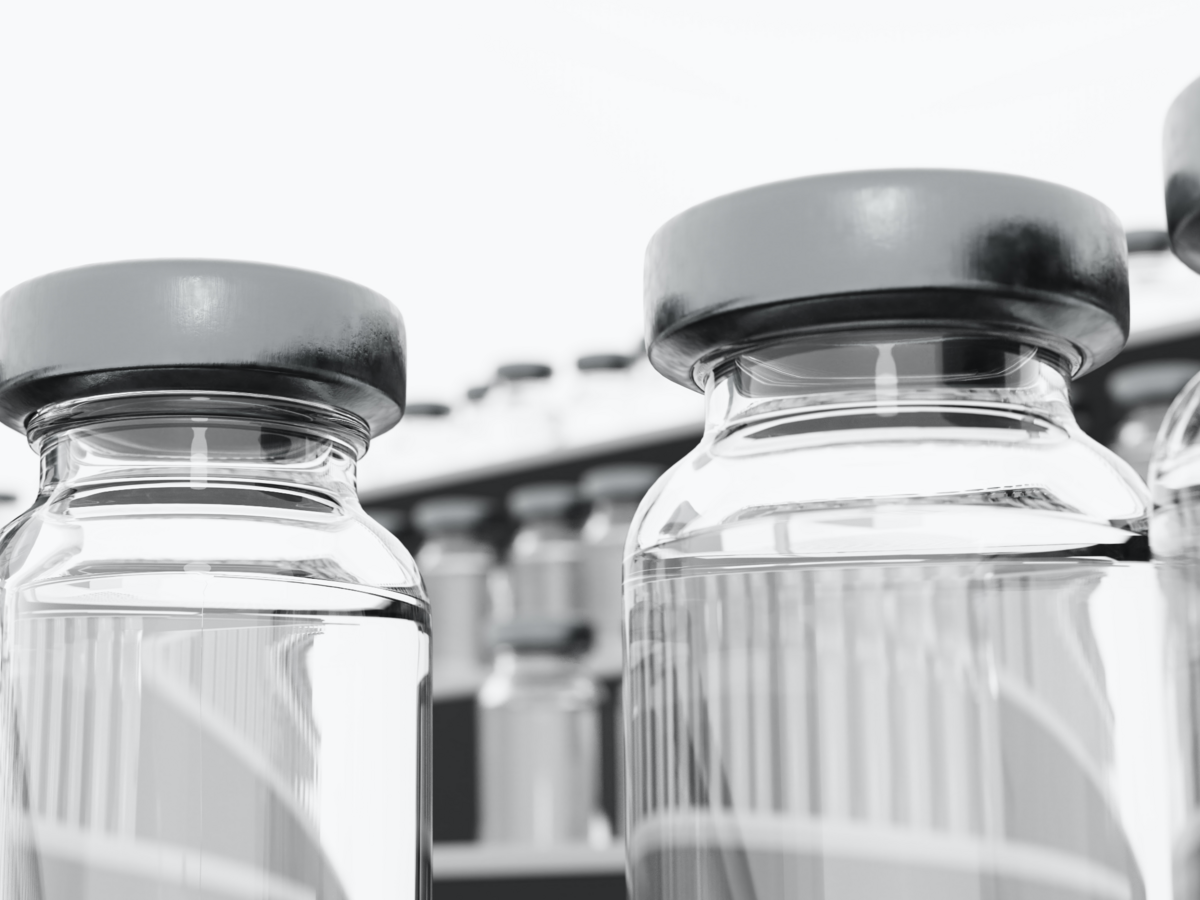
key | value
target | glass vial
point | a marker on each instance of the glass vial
(539, 732)
(214, 678)
(885, 623)
(539, 709)
(613, 491)
(456, 565)
(1175, 524)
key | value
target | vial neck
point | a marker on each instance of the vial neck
(882, 376)
(183, 439)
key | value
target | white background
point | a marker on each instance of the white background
(496, 168)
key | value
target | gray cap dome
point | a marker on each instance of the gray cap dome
(200, 325)
(971, 251)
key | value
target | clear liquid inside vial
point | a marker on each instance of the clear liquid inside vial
(935, 725)
(203, 735)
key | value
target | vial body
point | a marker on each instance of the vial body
(889, 632)
(215, 666)
(456, 570)
(539, 709)
(539, 738)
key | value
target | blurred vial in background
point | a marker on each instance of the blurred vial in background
(600, 399)
(457, 565)
(421, 415)
(539, 710)
(539, 725)
(423, 444)
(9, 508)
(474, 396)
(1147, 241)
(390, 520)
(544, 558)
(654, 405)
(1143, 392)
(614, 492)
(475, 429)
(1152, 267)
(428, 435)
(522, 405)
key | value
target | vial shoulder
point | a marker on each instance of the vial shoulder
(863, 493)
(342, 544)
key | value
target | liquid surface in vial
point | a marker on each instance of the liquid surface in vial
(919, 727)
(195, 735)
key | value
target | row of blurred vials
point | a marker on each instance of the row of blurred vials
(537, 634)
(525, 410)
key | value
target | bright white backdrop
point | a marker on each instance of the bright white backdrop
(496, 168)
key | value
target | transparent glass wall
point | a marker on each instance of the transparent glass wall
(892, 632)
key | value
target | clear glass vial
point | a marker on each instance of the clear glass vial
(544, 559)
(214, 670)
(614, 491)
(888, 623)
(425, 445)
(598, 406)
(1175, 523)
(456, 564)
(524, 410)
(539, 738)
